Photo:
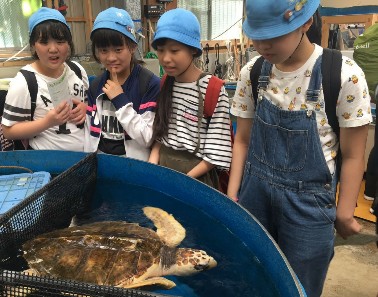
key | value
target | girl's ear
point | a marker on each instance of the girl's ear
(306, 26)
(33, 51)
(96, 54)
(69, 54)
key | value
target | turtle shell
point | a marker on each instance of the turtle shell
(106, 253)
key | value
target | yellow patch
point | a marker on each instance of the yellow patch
(346, 115)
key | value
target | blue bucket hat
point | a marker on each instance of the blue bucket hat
(268, 19)
(180, 25)
(45, 14)
(115, 19)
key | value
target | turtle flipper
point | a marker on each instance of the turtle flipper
(152, 281)
(31, 271)
(21, 291)
(170, 231)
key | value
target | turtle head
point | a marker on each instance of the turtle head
(191, 261)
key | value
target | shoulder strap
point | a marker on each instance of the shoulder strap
(31, 80)
(254, 76)
(75, 69)
(212, 95)
(3, 95)
(93, 87)
(145, 76)
(162, 80)
(331, 73)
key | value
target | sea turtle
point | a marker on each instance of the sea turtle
(117, 253)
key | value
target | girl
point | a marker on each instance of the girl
(186, 140)
(52, 124)
(287, 158)
(121, 102)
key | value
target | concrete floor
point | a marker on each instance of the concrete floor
(354, 269)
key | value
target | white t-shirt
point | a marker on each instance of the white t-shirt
(288, 90)
(18, 109)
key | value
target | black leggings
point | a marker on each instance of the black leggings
(371, 176)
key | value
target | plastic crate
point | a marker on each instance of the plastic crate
(16, 187)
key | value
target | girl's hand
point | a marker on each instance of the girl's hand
(78, 113)
(112, 87)
(234, 198)
(59, 115)
(347, 227)
(155, 153)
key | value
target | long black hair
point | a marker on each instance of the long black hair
(164, 108)
(51, 29)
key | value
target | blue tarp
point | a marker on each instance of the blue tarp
(332, 11)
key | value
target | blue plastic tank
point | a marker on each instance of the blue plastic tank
(249, 261)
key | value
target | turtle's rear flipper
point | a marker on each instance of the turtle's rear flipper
(153, 281)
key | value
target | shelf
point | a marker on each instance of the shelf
(366, 19)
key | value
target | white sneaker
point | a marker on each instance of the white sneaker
(368, 198)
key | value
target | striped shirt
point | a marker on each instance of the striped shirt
(215, 134)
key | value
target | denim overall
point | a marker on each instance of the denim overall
(287, 185)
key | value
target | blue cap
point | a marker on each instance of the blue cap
(180, 25)
(115, 19)
(268, 19)
(45, 14)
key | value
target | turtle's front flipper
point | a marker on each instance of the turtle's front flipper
(153, 281)
(169, 230)
(31, 271)
(17, 289)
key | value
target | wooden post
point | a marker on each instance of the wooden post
(237, 60)
(89, 19)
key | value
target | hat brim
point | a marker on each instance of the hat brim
(113, 26)
(280, 26)
(179, 37)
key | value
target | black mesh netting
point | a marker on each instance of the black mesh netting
(14, 283)
(51, 207)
